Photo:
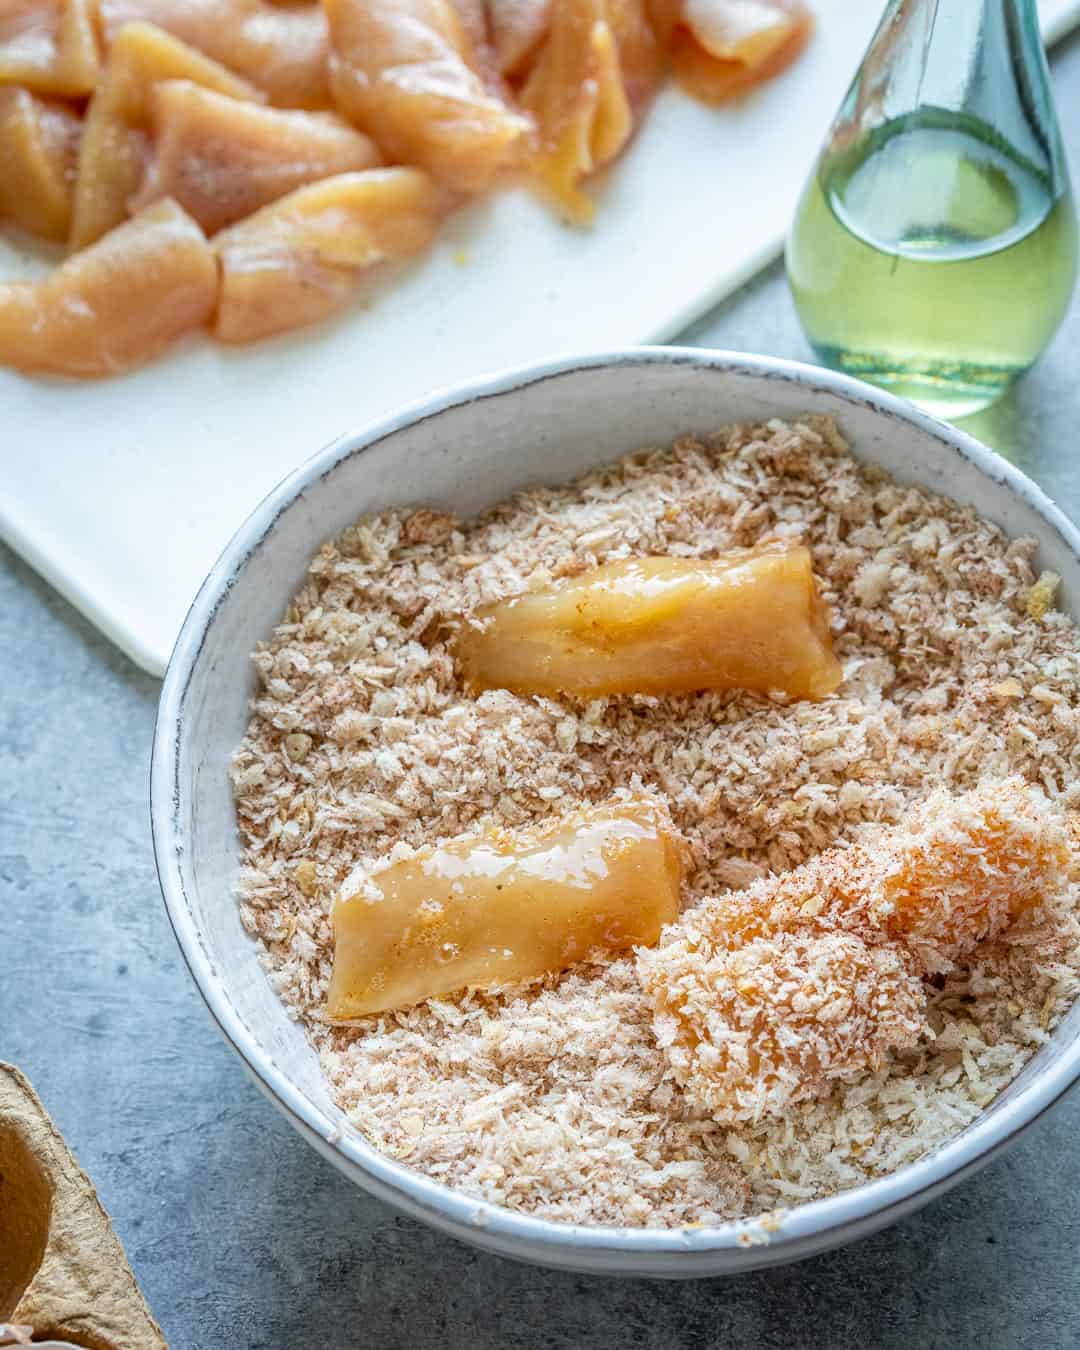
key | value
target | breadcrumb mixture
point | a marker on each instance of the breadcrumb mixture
(555, 1099)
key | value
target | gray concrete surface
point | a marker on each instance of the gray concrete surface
(241, 1236)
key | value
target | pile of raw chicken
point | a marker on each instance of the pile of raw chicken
(234, 164)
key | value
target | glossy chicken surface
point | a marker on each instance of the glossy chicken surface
(229, 107)
(295, 262)
(504, 906)
(115, 305)
(49, 46)
(115, 149)
(766, 997)
(720, 49)
(278, 47)
(222, 159)
(749, 619)
(474, 23)
(403, 71)
(516, 29)
(39, 142)
(593, 76)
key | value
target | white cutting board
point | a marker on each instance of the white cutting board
(122, 493)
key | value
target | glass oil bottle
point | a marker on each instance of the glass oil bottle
(934, 249)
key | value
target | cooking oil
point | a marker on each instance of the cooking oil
(932, 258)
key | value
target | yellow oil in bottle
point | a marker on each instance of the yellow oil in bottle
(932, 259)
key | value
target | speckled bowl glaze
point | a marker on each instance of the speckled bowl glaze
(464, 450)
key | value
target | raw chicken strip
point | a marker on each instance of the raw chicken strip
(49, 46)
(504, 906)
(280, 48)
(294, 263)
(115, 145)
(747, 619)
(474, 21)
(481, 56)
(39, 142)
(403, 71)
(590, 83)
(516, 28)
(720, 49)
(222, 159)
(767, 997)
(116, 305)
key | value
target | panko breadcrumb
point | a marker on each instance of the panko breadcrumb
(766, 997)
(555, 1098)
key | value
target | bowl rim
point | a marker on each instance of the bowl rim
(804, 1228)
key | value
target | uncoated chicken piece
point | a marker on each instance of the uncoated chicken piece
(280, 48)
(473, 16)
(115, 148)
(39, 142)
(49, 47)
(504, 906)
(113, 306)
(403, 71)
(516, 29)
(747, 619)
(595, 73)
(295, 262)
(222, 159)
(474, 22)
(766, 998)
(720, 49)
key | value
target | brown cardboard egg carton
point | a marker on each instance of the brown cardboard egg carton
(63, 1273)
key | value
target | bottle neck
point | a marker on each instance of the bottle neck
(982, 59)
(1013, 91)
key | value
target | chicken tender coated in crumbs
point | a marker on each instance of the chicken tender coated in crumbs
(751, 1030)
(965, 867)
(766, 998)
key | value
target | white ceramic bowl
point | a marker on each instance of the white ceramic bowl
(465, 450)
